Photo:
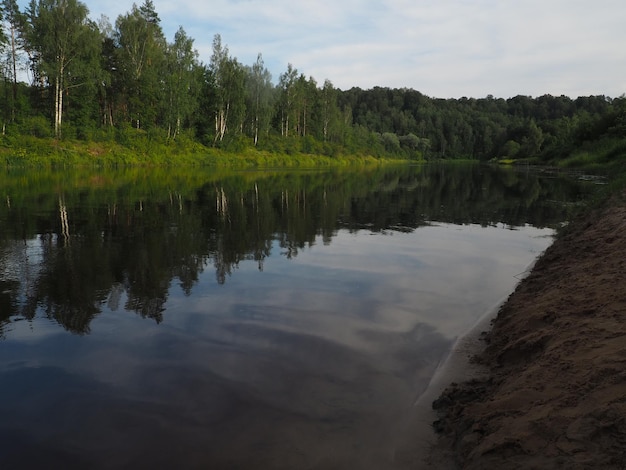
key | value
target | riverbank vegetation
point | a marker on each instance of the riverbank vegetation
(108, 93)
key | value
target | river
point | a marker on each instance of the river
(155, 318)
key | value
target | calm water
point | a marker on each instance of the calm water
(157, 319)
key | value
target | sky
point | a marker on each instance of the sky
(442, 48)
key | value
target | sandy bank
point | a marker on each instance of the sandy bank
(554, 391)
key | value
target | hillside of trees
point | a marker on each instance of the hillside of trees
(97, 81)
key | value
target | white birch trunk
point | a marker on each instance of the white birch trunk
(58, 103)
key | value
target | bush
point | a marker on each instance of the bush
(37, 126)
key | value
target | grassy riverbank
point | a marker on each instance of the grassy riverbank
(143, 150)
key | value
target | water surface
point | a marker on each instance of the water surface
(155, 318)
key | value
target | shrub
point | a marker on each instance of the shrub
(36, 126)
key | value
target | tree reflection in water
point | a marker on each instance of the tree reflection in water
(138, 237)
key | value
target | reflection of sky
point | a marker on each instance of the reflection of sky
(336, 341)
(444, 275)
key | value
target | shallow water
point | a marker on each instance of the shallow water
(247, 320)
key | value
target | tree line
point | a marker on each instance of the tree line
(97, 80)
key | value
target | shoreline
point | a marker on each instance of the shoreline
(546, 386)
(424, 449)
(421, 449)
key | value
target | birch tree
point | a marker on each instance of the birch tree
(218, 67)
(304, 97)
(287, 87)
(229, 82)
(108, 91)
(13, 21)
(259, 98)
(66, 43)
(329, 111)
(141, 49)
(181, 92)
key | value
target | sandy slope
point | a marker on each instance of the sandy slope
(556, 395)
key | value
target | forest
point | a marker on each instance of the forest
(126, 83)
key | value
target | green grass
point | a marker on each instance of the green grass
(607, 154)
(143, 150)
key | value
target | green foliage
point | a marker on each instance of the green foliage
(65, 46)
(607, 153)
(390, 142)
(36, 126)
(149, 99)
(139, 62)
(510, 149)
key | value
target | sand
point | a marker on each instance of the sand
(554, 395)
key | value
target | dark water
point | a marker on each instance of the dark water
(165, 319)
